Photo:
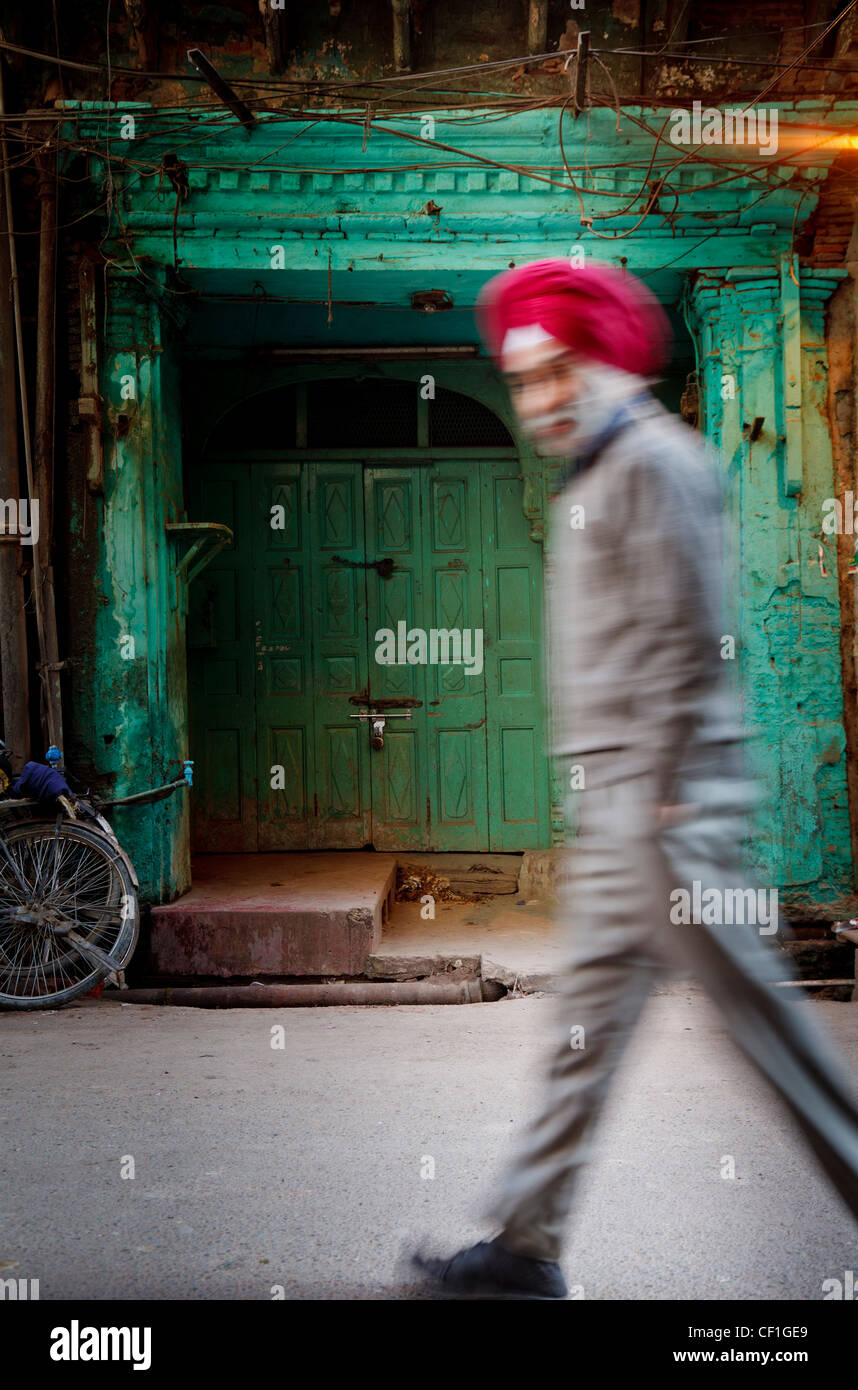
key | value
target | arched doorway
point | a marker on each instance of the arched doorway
(382, 561)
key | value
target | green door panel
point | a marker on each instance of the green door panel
(456, 723)
(342, 818)
(222, 680)
(518, 793)
(429, 780)
(398, 770)
(283, 656)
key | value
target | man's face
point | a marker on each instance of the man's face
(561, 400)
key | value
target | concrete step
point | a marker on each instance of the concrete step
(275, 914)
(469, 872)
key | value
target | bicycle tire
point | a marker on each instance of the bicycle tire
(52, 876)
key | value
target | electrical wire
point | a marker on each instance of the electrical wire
(414, 81)
(827, 30)
(467, 157)
(136, 169)
(619, 236)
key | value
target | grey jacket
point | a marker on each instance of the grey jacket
(635, 616)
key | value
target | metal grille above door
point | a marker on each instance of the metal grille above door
(369, 413)
(457, 421)
(343, 414)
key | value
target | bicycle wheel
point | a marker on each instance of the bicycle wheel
(68, 913)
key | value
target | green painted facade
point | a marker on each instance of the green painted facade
(316, 242)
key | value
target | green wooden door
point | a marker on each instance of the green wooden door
(284, 630)
(429, 780)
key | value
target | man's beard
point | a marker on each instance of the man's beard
(585, 417)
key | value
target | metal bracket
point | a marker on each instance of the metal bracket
(200, 533)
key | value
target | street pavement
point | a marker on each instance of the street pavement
(304, 1170)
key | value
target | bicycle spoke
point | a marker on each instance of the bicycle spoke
(63, 911)
(5, 850)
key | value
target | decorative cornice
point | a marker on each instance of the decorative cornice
(328, 165)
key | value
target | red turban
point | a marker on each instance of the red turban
(596, 310)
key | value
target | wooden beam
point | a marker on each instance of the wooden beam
(274, 27)
(674, 16)
(844, 47)
(537, 26)
(582, 59)
(89, 403)
(145, 31)
(401, 35)
(225, 92)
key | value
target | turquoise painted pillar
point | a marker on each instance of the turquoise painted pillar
(139, 706)
(763, 386)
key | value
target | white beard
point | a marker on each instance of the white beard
(603, 388)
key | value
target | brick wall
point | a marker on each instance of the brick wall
(829, 230)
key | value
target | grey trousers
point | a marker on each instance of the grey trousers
(621, 913)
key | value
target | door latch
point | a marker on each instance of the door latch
(376, 715)
(385, 567)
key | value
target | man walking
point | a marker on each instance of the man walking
(645, 715)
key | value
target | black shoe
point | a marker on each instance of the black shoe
(489, 1270)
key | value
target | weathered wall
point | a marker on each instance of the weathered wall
(354, 44)
(842, 337)
(763, 359)
(128, 724)
(448, 227)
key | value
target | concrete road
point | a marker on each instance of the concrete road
(301, 1167)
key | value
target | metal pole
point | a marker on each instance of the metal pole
(469, 991)
(43, 469)
(13, 621)
(25, 418)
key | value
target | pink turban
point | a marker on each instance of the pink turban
(596, 310)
